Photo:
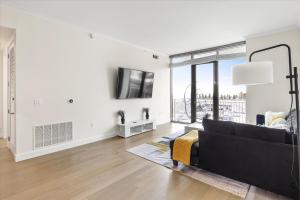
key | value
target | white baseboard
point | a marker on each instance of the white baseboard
(60, 147)
(12, 148)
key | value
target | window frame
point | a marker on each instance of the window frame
(194, 79)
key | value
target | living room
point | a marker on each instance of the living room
(95, 95)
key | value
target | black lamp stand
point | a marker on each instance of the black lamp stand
(293, 77)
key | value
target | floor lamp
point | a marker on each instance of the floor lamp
(254, 73)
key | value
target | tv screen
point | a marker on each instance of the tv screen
(134, 84)
(148, 85)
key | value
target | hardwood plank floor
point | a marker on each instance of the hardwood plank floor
(101, 170)
(2, 143)
(104, 170)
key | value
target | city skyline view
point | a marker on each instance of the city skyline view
(182, 79)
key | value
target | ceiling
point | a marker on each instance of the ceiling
(167, 26)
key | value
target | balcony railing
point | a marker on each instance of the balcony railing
(229, 110)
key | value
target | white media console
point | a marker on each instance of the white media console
(135, 127)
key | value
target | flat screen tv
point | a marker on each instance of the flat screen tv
(134, 84)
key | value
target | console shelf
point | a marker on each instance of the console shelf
(135, 127)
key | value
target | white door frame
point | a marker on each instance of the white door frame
(11, 88)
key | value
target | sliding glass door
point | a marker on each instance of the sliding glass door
(195, 92)
(207, 90)
(232, 98)
(181, 93)
(202, 85)
(204, 91)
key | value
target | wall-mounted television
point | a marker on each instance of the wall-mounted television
(134, 84)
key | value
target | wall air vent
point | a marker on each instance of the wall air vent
(51, 134)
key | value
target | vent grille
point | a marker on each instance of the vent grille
(51, 134)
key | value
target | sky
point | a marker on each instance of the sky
(182, 79)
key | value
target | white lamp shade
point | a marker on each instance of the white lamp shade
(253, 73)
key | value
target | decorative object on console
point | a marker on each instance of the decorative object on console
(146, 110)
(122, 114)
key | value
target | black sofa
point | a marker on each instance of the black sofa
(251, 154)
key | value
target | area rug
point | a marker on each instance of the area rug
(158, 151)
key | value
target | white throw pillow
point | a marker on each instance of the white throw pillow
(271, 116)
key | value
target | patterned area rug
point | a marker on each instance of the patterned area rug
(158, 151)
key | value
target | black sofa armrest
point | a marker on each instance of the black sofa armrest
(260, 163)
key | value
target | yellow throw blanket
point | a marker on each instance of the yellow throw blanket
(183, 146)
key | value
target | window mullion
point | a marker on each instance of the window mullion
(216, 91)
(193, 94)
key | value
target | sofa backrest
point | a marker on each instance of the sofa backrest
(218, 127)
(245, 130)
(260, 133)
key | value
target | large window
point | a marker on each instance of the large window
(204, 90)
(202, 85)
(232, 98)
(181, 84)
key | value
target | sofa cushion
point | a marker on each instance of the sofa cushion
(218, 127)
(260, 133)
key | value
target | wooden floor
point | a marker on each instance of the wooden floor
(2, 143)
(103, 170)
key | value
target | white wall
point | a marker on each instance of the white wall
(56, 62)
(274, 97)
